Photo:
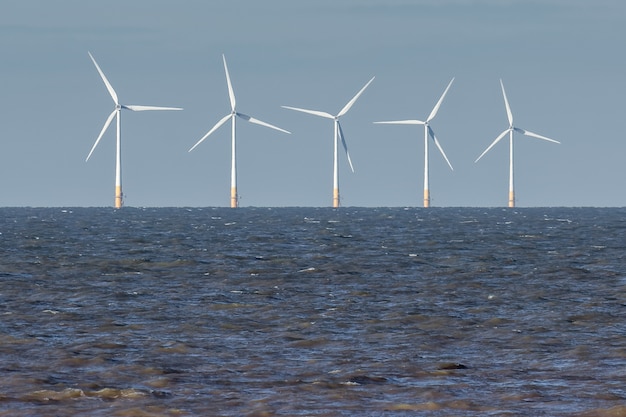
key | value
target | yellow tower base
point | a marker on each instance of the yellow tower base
(335, 197)
(511, 199)
(234, 203)
(426, 198)
(118, 197)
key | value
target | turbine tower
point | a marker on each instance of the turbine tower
(338, 133)
(428, 132)
(234, 196)
(117, 113)
(510, 131)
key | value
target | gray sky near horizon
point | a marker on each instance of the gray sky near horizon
(562, 63)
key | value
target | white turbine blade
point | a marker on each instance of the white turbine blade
(345, 146)
(231, 93)
(436, 108)
(135, 107)
(506, 103)
(213, 129)
(106, 126)
(313, 112)
(534, 135)
(492, 144)
(432, 135)
(104, 78)
(260, 122)
(401, 122)
(351, 102)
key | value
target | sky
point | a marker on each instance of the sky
(562, 63)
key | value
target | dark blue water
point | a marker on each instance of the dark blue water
(304, 311)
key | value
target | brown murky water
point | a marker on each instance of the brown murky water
(302, 311)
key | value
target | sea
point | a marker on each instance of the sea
(313, 312)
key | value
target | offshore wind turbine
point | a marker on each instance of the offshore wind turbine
(117, 113)
(510, 131)
(234, 197)
(428, 132)
(338, 134)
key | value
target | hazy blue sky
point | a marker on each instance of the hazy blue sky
(562, 62)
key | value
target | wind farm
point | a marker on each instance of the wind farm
(117, 114)
(338, 134)
(234, 196)
(510, 130)
(428, 133)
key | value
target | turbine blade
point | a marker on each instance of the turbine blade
(492, 144)
(260, 122)
(314, 112)
(432, 135)
(231, 93)
(135, 107)
(506, 103)
(401, 122)
(436, 108)
(213, 129)
(106, 126)
(345, 146)
(534, 135)
(351, 102)
(104, 78)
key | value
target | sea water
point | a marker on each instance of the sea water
(312, 312)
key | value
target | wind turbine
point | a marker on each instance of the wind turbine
(510, 131)
(117, 112)
(428, 131)
(234, 197)
(338, 134)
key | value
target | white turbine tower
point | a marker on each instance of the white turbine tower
(117, 113)
(510, 131)
(428, 131)
(338, 134)
(234, 197)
